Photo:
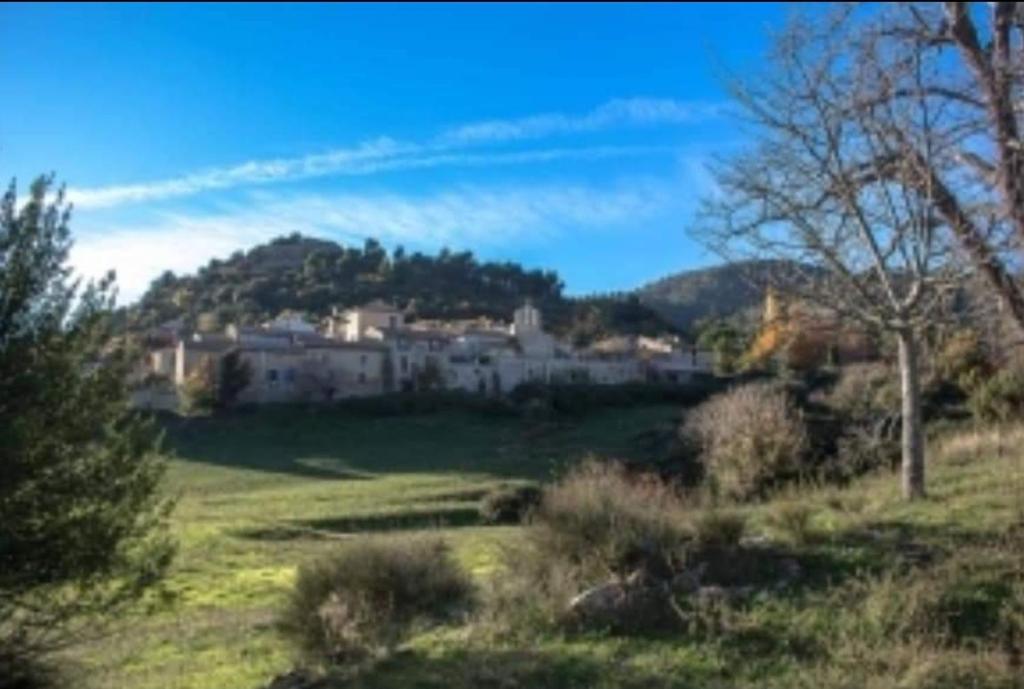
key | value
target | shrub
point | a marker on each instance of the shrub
(963, 361)
(1001, 397)
(199, 390)
(865, 392)
(794, 519)
(509, 504)
(20, 671)
(369, 594)
(860, 450)
(598, 522)
(602, 519)
(750, 438)
(719, 529)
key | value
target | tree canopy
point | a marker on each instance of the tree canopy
(81, 513)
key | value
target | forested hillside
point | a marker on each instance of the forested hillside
(709, 293)
(312, 275)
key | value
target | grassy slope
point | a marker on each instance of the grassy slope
(892, 595)
(264, 491)
(260, 494)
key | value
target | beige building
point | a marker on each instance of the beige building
(371, 351)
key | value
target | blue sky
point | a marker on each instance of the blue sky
(571, 137)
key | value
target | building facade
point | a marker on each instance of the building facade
(372, 351)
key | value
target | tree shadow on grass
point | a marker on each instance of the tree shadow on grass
(474, 667)
(333, 527)
(877, 547)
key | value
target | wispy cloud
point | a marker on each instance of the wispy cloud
(336, 161)
(468, 216)
(451, 148)
(618, 112)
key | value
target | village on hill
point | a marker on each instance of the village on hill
(372, 350)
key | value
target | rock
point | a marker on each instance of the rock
(711, 594)
(644, 605)
(598, 602)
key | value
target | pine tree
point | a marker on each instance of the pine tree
(82, 518)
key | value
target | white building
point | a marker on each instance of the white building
(371, 350)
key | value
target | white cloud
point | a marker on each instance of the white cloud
(338, 161)
(617, 112)
(468, 216)
(383, 154)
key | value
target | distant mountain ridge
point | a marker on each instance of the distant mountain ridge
(719, 291)
(312, 276)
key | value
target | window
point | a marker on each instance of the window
(289, 375)
(393, 322)
(271, 375)
(362, 378)
(362, 360)
(405, 364)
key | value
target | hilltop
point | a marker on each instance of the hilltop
(313, 276)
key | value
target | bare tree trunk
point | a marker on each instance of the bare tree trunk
(912, 440)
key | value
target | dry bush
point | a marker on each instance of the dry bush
(1000, 398)
(599, 522)
(715, 528)
(794, 519)
(750, 438)
(963, 360)
(982, 443)
(509, 504)
(369, 594)
(865, 392)
(600, 518)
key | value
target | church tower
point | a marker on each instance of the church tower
(526, 319)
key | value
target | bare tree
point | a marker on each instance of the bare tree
(967, 61)
(827, 187)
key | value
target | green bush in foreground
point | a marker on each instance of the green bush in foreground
(370, 594)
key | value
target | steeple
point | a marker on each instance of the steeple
(526, 319)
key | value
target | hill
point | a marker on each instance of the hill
(717, 292)
(312, 276)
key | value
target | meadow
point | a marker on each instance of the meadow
(259, 492)
(892, 593)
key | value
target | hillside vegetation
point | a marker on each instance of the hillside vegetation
(312, 276)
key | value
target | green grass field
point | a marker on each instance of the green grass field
(260, 492)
